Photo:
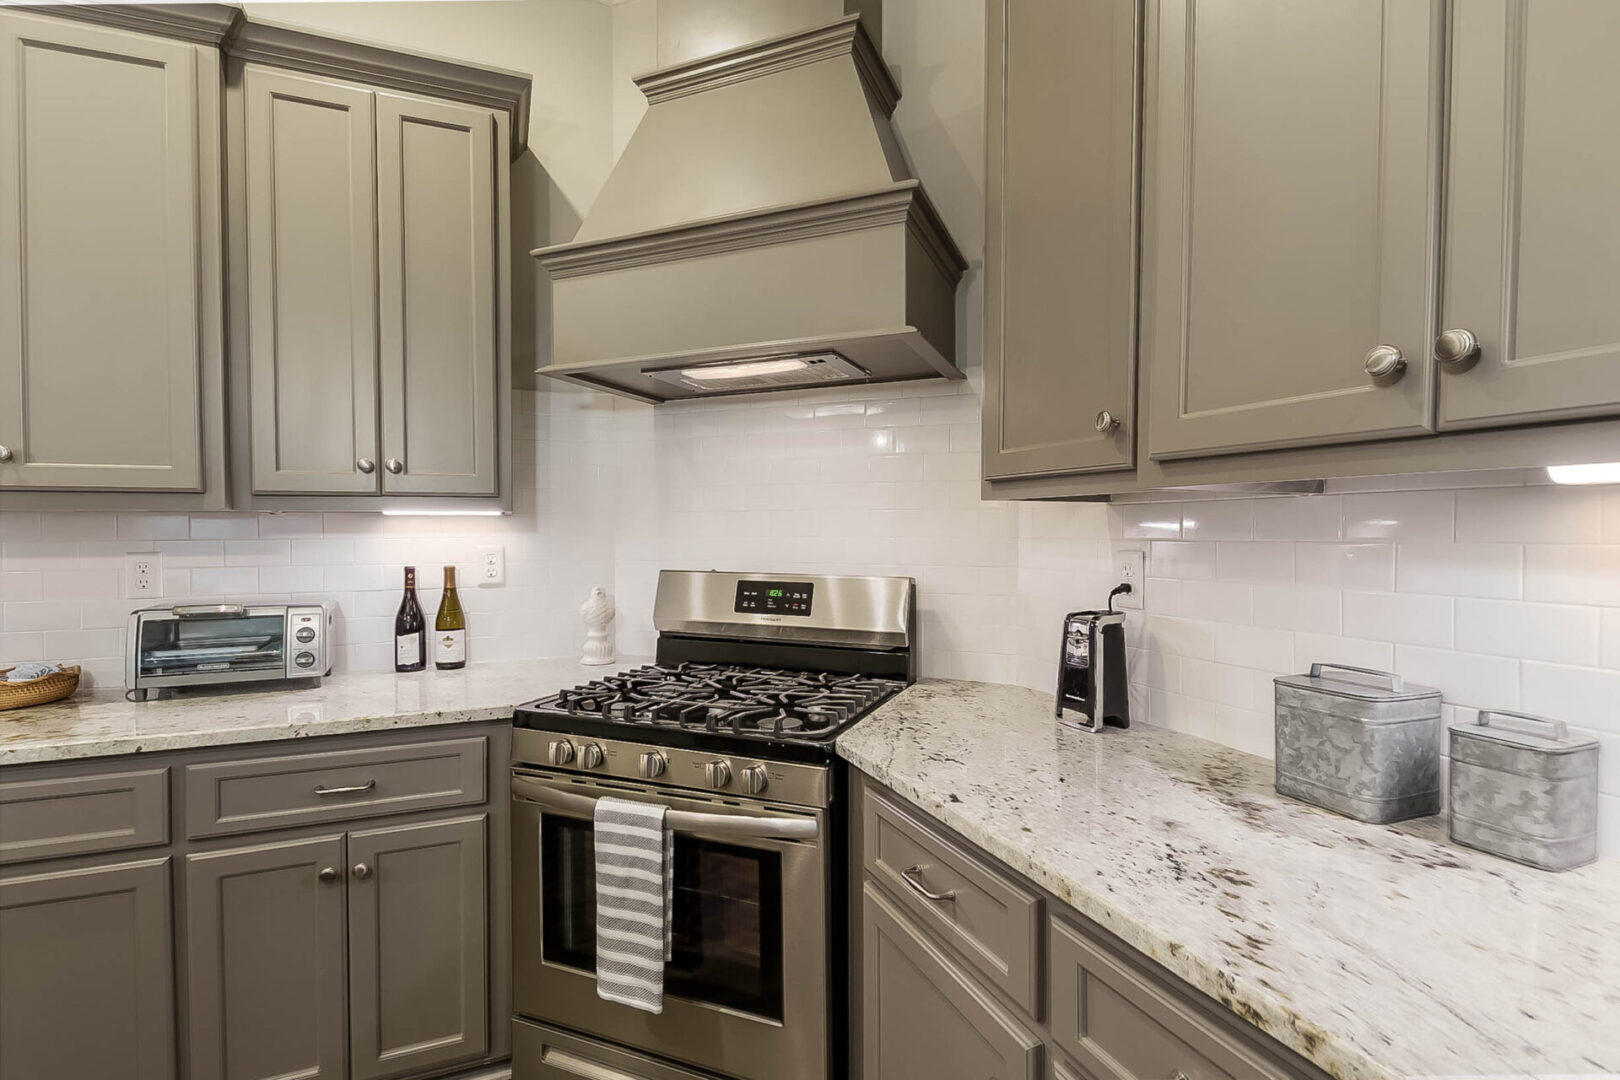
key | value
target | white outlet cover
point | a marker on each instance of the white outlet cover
(143, 575)
(1130, 568)
(492, 565)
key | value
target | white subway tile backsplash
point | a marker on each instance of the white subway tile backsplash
(153, 526)
(1345, 566)
(21, 585)
(1575, 695)
(1298, 607)
(1215, 601)
(186, 554)
(42, 615)
(1573, 574)
(1531, 515)
(1399, 515)
(78, 525)
(1330, 649)
(1481, 682)
(1218, 519)
(224, 581)
(1255, 647)
(1484, 570)
(1150, 521)
(18, 647)
(1560, 633)
(1220, 683)
(1256, 560)
(1610, 635)
(1396, 617)
(1180, 559)
(1319, 517)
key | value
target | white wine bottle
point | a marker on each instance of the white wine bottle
(410, 644)
(450, 627)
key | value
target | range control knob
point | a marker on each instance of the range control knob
(717, 773)
(590, 756)
(652, 764)
(753, 779)
(561, 752)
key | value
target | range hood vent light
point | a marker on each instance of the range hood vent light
(763, 373)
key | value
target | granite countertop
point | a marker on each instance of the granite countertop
(100, 723)
(1376, 952)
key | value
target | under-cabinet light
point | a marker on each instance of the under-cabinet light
(1604, 472)
(442, 513)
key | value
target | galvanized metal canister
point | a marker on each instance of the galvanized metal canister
(1367, 750)
(1523, 788)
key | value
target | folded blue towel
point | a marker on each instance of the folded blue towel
(30, 671)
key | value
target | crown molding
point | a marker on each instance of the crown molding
(384, 65)
(200, 24)
(900, 203)
(845, 37)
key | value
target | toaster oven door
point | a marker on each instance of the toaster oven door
(197, 646)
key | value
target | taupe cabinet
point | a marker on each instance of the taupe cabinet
(326, 908)
(1337, 201)
(371, 302)
(964, 971)
(110, 300)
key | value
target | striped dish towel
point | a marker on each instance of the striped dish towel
(635, 871)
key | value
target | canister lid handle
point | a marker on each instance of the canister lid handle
(1395, 681)
(1560, 729)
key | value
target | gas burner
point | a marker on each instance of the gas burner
(726, 699)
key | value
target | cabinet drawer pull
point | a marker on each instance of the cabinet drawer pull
(910, 874)
(1385, 362)
(352, 789)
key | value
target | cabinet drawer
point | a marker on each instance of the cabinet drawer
(45, 819)
(994, 922)
(300, 789)
(543, 1053)
(1120, 1025)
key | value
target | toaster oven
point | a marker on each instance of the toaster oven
(209, 644)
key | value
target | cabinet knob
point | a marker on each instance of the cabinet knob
(1107, 421)
(1385, 362)
(366, 465)
(394, 465)
(6, 454)
(1457, 350)
(361, 870)
(328, 874)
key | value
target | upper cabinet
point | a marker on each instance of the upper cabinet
(109, 260)
(1377, 236)
(365, 197)
(1060, 261)
(1532, 267)
(1296, 151)
(372, 314)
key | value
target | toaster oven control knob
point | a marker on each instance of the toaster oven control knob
(590, 756)
(652, 765)
(753, 779)
(717, 773)
(305, 635)
(305, 659)
(561, 752)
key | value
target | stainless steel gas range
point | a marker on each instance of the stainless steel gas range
(733, 730)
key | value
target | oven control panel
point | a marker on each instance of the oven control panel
(774, 597)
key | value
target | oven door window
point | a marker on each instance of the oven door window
(212, 646)
(727, 937)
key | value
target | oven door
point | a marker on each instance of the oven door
(745, 993)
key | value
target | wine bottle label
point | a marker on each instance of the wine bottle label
(407, 648)
(451, 647)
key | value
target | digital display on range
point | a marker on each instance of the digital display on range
(774, 597)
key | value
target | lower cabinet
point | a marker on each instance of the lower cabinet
(362, 954)
(87, 974)
(926, 1018)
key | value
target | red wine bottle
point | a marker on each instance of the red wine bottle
(410, 641)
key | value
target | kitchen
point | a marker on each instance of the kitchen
(1128, 903)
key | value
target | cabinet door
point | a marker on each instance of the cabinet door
(1060, 265)
(87, 974)
(418, 947)
(265, 927)
(1295, 159)
(312, 272)
(924, 1017)
(1532, 263)
(99, 288)
(436, 286)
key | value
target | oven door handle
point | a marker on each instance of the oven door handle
(733, 825)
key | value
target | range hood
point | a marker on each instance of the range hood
(760, 232)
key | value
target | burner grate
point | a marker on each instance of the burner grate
(766, 703)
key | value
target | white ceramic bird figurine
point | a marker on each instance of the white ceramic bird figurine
(597, 611)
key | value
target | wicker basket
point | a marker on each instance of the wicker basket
(38, 691)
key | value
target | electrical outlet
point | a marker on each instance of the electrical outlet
(1129, 568)
(492, 565)
(143, 575)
